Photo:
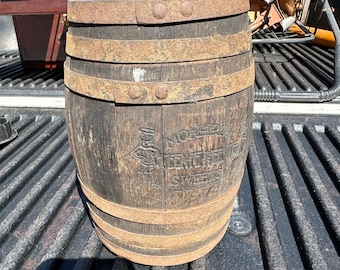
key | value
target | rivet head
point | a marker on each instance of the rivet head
(134, 92)
(187, 9)
(162, 93)
(159, 11)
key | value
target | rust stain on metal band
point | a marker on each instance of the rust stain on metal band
(160, 260)
(151, 11)
(177, 92)
(178, 10)
(161, 241)
(160, 72)
(182, 248)
(102, 12)
(158, 51)
(150, 216)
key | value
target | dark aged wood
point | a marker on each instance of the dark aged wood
(160, 170)
(151, 160)
(27, 7)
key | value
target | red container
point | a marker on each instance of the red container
(40, 30)
(41, 40)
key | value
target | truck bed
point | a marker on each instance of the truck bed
(286, 215)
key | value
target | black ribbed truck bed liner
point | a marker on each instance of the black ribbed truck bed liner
(286, 214)
(285, 72)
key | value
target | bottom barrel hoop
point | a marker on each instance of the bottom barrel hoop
(162, 250)
(164, 242)
(160, 260)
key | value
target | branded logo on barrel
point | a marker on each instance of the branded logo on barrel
(189, 169)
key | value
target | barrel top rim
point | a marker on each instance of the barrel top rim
(151, 11)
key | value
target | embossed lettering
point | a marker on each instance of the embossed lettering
(183, 135)
(213, 157)
(193, 160)
(182, 161)
(197, 132)
(190, 170)
(196, 181)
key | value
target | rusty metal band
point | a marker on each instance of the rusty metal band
(159, 217)
(161, 241)
(163, 229)
(158, 51)
(159, 92)
(218, 26)
(169, 72)
(182, 248)
(160, 260)
(151, 11)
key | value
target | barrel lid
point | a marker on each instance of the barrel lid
(151, 11)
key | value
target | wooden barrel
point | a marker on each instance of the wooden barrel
(159, 111)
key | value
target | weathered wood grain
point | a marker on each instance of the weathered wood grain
(160, 174)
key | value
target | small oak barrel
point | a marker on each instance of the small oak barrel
(159, 103)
